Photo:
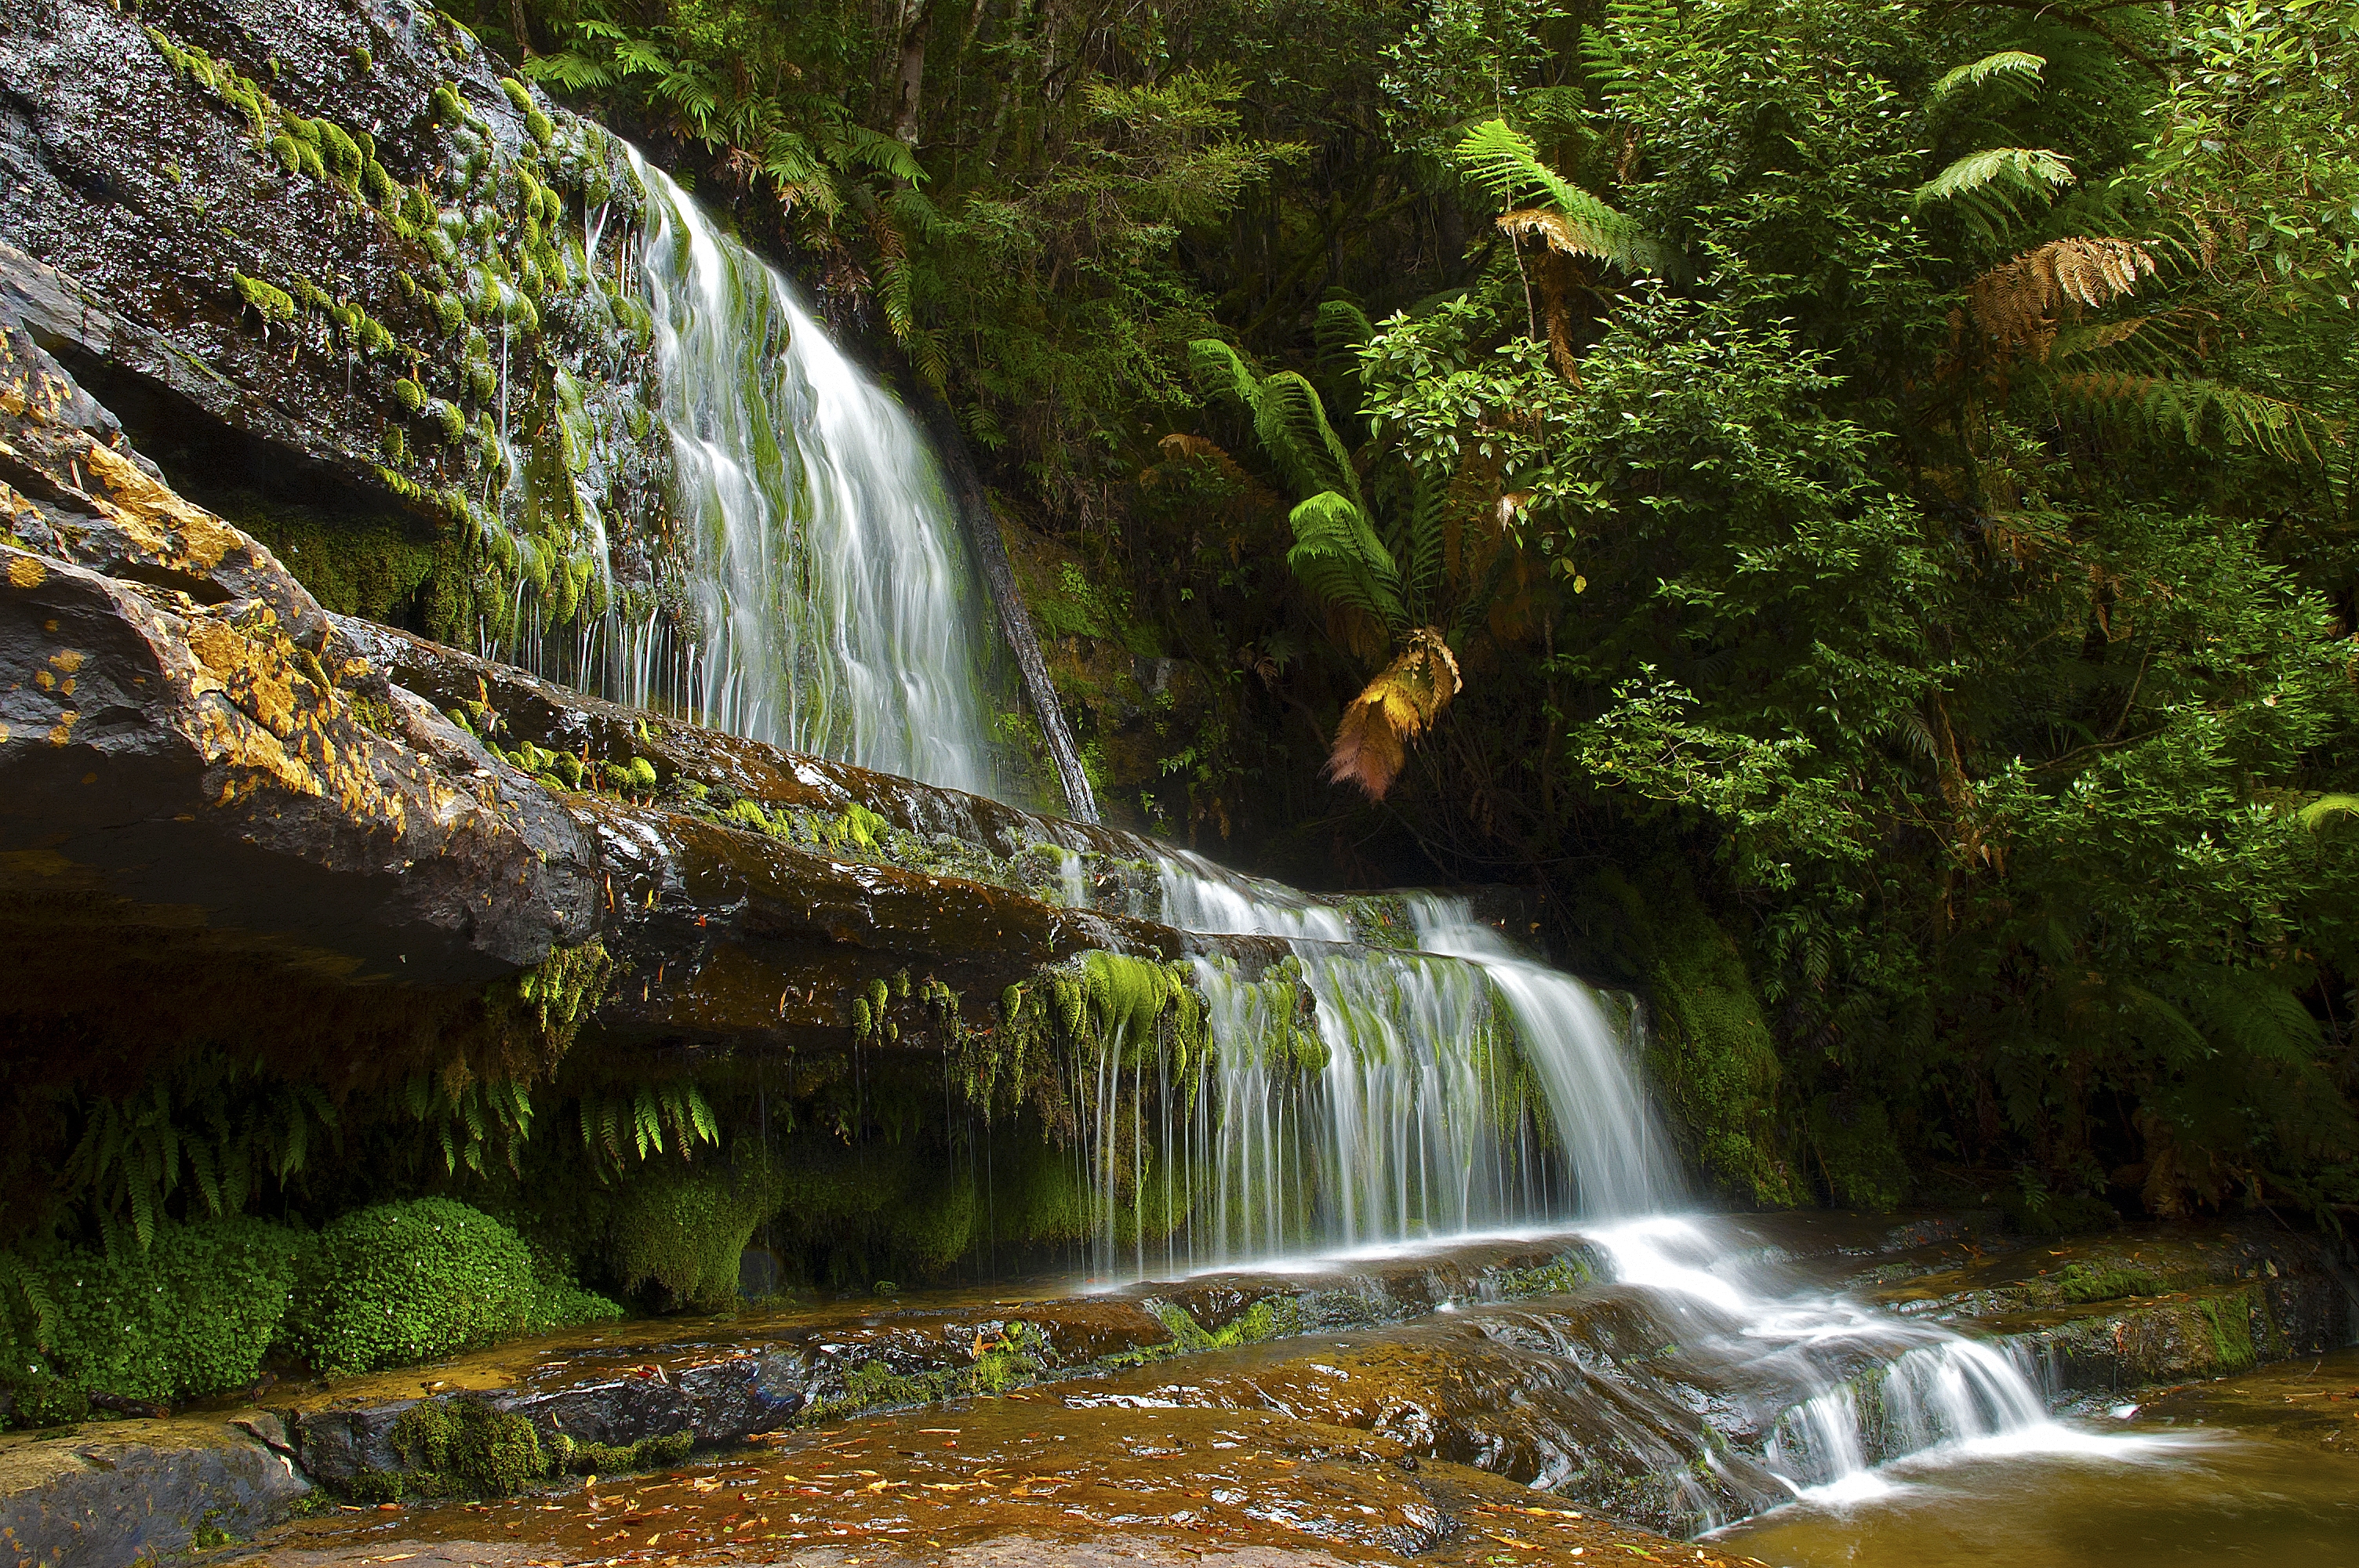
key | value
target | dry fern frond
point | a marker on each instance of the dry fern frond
(1400, 704)
(2019, 304)
(1566, 235)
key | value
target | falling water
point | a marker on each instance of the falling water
(1363, 1095)
(833, 609)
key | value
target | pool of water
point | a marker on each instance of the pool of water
(2257, 1468)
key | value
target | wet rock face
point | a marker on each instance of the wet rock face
(175, 742)
(356, 242)
(197, 761)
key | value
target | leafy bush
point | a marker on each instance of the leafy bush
(194, 1314)
(409, 1281)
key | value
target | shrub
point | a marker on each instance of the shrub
(193, 1315)
(411, 1281)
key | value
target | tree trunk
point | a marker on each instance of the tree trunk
(909, 76)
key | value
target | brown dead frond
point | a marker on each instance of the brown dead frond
(2019, 305)
(1402, 702)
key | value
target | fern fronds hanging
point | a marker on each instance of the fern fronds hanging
(1288, 419)
(2197, 409)
(1339, 557)
(1401, 703)
(2020, 304)
(2006, 65)
(1504, 161)
(2028, 167)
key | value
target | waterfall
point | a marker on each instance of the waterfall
(1446, 1089)
(833, 609)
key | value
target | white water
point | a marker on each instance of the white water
(827, 603)
(1464, 1089)
(1865, 1387)
(835, 612)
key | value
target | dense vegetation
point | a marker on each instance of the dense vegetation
(1852, 501)
(1879, 472)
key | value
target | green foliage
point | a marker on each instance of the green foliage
(410, 1281)
(192, 1315)
(682, 1229)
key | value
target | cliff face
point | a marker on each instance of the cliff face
(204, 773)
(354, 289)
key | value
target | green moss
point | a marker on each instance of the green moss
(613, 1459)
(684, 1228)
(2096, 1282)
(1710, 1047)
(447, 109)
(270, 302)
(410, 394)
(465, 1445)
(2229, 1318)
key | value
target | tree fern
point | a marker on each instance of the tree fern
(2198, 410)
(2013, 66)
(1503, 160)
(1288, 419)
(1339, 557)
(2030, 167)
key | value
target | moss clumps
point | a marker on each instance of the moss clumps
(269, 301)
(683, 1230)
(410, 1281)
(464, 1445)
(2084, 1282)
(1014, 1359)
(1710, 1047)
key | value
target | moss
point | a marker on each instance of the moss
(191, 1314)
(403, 1283)
(1709, 1046)
(613, 1459)
(2085, 1282)
(549, 1003)
(447, 109)
(449, 422)
(467, 1446)
(1551, 1278)
(410, 394)
(683, 1229)
(269, 301)
(1856, 1148)
(2229, 1318)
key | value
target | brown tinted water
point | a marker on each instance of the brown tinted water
(2259, 1468)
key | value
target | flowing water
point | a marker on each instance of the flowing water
(1375, 1093)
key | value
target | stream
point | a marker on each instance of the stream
(1698, 1388)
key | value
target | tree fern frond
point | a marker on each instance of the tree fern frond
(2326, 807)
(2198, 408)
(2013, 64)
(2030, 165)
(2019, 304)
(1428, 536)
(1339, 328)
(1504, 161)
(1339, 557)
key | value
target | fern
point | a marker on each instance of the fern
(2006, 65)
(2198, 409)
(2031, 166)
(1288, 419)
(1503, 160)
(1339, 557)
